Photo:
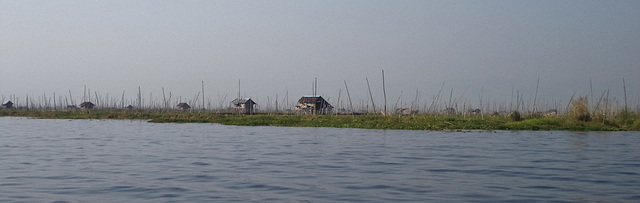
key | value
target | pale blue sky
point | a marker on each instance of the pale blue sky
(488, 47)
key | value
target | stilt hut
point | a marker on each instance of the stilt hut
(245, 106)
(87, 105)
(7, 104)
(313, 104)
(183, 106)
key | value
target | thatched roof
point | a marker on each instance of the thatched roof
(183, 106)
(87, 105)
(7, 104)
(243, 101)
(311, 99)
(317, 101)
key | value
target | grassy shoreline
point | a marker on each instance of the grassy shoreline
(368, 121)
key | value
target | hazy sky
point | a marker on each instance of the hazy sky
(486, 48)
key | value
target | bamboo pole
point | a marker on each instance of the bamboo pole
(348, 95)
(203, 106)
(371, 95)
(533, 108)
(624, 87)
(164, 98)
(384, 92)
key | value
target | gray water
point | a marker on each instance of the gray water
(136, 161)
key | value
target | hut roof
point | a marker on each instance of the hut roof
(242, 101)
(7, 102)
(86, 104)
(183, 105)
(310, 99)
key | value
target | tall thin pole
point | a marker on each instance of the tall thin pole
(348, 95)
(533, 108)
(121, 101)
(203, 95)
(624, 86)
(384, 92)
(591, 88)
(371, 95)
(164, 99)
(338, 102)
(71, 98)
(139, 98)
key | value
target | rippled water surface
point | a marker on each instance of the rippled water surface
(135, 161)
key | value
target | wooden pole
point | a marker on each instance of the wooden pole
(164, 98)
(349, 95)
(338, 102)
(624, 86)
(384, 93)
(203, 107)
(139, 98)
(533, 108)
(371, 96)
(71, 98)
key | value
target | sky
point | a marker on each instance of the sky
(471, 50)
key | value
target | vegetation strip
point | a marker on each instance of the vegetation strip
(624, 121)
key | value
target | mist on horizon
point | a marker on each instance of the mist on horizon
(474, 54)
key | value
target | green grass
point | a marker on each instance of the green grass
(627, 121)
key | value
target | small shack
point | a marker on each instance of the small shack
(183, 106)
(128, 107)
(313, 104)
(87, 105)
(245, 106)
(7, 104)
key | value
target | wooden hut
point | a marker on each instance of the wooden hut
(245, 106)
(7, 104)
(183, 106)
(87, 105)
(313, 104)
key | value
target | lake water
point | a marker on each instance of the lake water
(136, 161)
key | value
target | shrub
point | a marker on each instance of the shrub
(580, 110)
(515, 116)
(626, 118)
